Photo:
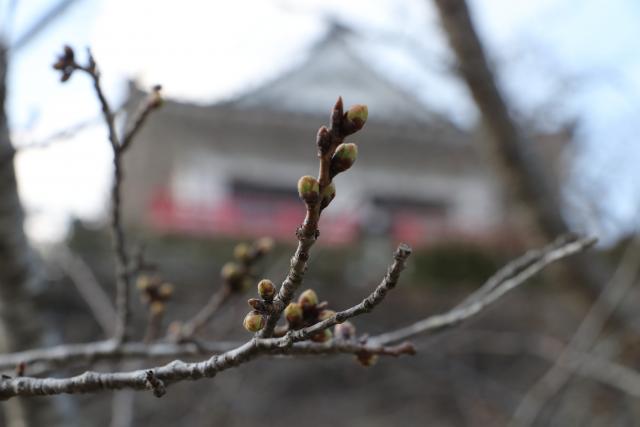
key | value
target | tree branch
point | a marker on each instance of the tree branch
(67, 64)
(520, 169)
(507, 282)
(290, 344)
(178, 370)
(88, 287)
(328, 140)
(612, 295)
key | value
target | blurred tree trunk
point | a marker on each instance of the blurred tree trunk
(18, 318)
(520, 171)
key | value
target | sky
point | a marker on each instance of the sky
(558, 61)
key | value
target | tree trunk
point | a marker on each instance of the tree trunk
(18, 318)
(519, 169)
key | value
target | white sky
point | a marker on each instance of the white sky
(561, 59)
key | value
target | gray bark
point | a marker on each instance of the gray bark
(18, 329)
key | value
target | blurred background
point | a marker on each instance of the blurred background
(247, 84)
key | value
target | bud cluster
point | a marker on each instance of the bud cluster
(154, 292)
(335, 155)
(255, 320)
(308, 311)
(66, 63)
(238, 274)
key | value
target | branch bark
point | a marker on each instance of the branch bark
(158, 378)
(505, 280)
(293, 343)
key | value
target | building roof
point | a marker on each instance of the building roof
(333, 67)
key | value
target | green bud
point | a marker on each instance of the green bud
(358, 115)
(233, 277)
(309, 189)
(165, 291)
(322, 336)
(143, 282)
(343, 158)
(242, 252)
(253, 321)
(230, 271)
(263, 245)
(308, 298)
(157, 307)
(293, 313)
(266, 289)
(328, 194)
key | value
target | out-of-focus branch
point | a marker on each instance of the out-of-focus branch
(154, 102)
(202, 317)
(159, 377)
(290, 344)
(520, 170)
(67, 65)
(625, 276)
(43, 22)
(88, 287)
(334, 157)
(576, 362)
(19, 327)
(237, 276)
(64, 134)
(509, 276)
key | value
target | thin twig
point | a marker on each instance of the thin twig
(65, 355)
(514, 267)
(202, 318)
(587, 332)
(549, 348)
(466, 310)
(123, 280)
(388, 282)
(327, 140)
(123, 275)
(178, 370)
(64, 134)
(88, 287)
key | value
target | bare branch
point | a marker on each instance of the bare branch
(388, 282)
(466, 310)
(520, 170)
(328, 141)
(288, 345)
(123, 279)
(202, 317)
(235, 277)
(585, 336)
(67, 64)
(87, 285)
(178, 370)
(153, 103)
(549, 348)
(64, 134)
